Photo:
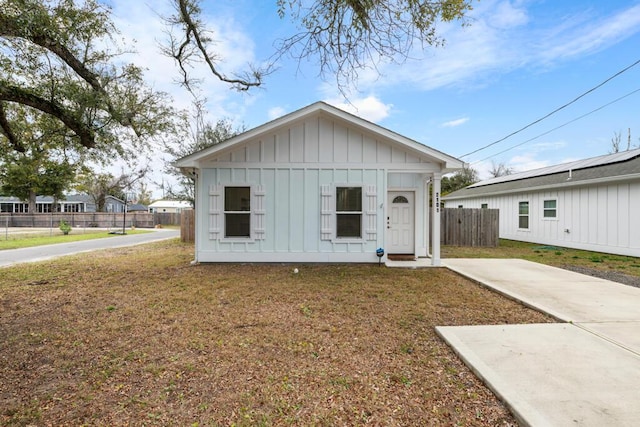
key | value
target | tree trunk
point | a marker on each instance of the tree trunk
(32, 201)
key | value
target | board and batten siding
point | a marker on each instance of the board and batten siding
(293, 167)
(293, 214)
(599, 218)
(319, 141)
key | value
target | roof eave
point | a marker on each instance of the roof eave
(568, 183)
(192, 161)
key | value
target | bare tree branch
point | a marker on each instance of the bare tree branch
(192, 47)
(350, 35)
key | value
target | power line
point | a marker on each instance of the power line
(554, 111)
(561, 126)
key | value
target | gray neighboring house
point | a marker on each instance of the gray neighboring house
(590, 204)
(71, 203)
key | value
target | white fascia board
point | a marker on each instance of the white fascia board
(446, 160)
(192, 160)
(449, 163)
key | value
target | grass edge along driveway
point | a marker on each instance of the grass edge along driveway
(138, 336)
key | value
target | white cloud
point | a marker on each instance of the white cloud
(369, 108)
(276, 112)
(455, 123)
(580, 38)
(508, 16)
(501, 37)
(547, 146)
(527, 162)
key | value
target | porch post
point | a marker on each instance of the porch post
(435, 221)
(427, 221)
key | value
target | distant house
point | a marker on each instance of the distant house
(137, 207)
(113, 204)
(317, 185)
(591, 204)
(169, 206)
(71, 203)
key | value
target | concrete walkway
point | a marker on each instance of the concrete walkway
(40, 253)
(582, 373)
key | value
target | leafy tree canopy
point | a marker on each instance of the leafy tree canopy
(101, 185)
(59, 57)
(459, 180)
(44, 167)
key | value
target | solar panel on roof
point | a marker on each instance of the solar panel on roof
(564, 167)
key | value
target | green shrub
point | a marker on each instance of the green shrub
(65, 227)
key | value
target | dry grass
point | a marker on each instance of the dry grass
(137, 336)
(556, 256)
(22, 239)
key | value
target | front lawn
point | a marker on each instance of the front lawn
(137, 336)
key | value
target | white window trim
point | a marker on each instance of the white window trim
(551, 218)
(528, 215)
(360, 239)
(328, 220)
(224, 213)
(257, 213)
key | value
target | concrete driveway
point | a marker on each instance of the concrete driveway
(40, 253)
(582, 371)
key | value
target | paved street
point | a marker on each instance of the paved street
(40, 253)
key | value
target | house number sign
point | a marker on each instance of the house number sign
(437, 202)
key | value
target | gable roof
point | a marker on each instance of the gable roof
(448, 162)
(137, 207)
(608, 168)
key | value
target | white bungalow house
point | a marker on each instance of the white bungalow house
(590, 204)
(317, 185)
(169, 206)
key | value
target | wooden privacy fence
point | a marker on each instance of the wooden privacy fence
(469, 227)
(89, 219)
(188, 226)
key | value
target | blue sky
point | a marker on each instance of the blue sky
(516, 62)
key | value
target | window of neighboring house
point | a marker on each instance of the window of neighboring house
(349, 212)
(523, 215)
(237, 212)
(484, 206)
(71, 207)
(550, 209)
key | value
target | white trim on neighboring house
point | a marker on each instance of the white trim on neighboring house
(594, 200)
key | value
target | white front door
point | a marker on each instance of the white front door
(400, 224)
